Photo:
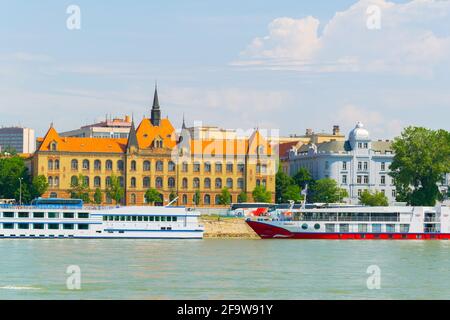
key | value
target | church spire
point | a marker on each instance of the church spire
(132, 137)
(156, 112)
(183, 126)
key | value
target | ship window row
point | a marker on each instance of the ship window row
(43, 226)
(140, 218)
(347, 216)
(43, 215)
(361, 228)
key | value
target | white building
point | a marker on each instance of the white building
(22, 140)
(110, 128)
(356, 164)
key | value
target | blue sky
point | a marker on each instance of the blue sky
(290, 65)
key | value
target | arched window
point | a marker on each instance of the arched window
(264, 183)
(171, 166)
(56, 164)
(56, 182)
(74, 164)
(217, 199)
(230, 183)
(258, 182)
(146, 182)
(133, 165)
(122, 181)
(241, 167)
(120, 165)
(86, 181)
(97, 182)
(133, 182)
(240, 183)
(229, 167)
(146, 165)
(171, 182)
(53, 146)
(207, 199)
(133, 198)
(184, 167)
(218, 167)
(108, 198)
(185, 183)
(97, 165)
(207, 183)
(50, 181)
(108, 181)
(159, 182)
(218, 183)
(159, 165)
(50, 164)
(85, 164)
(196, 166)
(74, 181)
(207, 167)
(196, 183)
(108, 165)
(184, 199)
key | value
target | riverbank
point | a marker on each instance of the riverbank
(226, 227)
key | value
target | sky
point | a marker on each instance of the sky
(285, 64)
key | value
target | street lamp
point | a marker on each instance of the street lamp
(20, 191)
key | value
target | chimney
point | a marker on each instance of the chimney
(127, 118)
(336, 130)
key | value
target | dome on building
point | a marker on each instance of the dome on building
(359, 133)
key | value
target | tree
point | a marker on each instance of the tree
(293, 193)
(326, 190)
(98, 196)
(152, 195)
(302, 178)
(172, 195)
(242, 197)
(282, 183)
(39, 186)
(197, 197)
(260, 194)
(114, 190)
(422, 158)
(225, 197)
(79, 189)
(376, 199)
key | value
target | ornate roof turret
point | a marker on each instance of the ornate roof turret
(155, 116)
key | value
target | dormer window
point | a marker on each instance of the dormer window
(53, 146)
(260, 149)
(158, 143)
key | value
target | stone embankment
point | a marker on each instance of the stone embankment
(226, 227)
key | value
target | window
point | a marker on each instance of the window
(330, 227)
(230, 183)
(218, 183)
(207, 167)
(359, 165)
(56, 164)
(360, 145)
(317, 226)
(207, 183)
(240, 183)
(50, 181)
(366, 179)
(207, 199)
(258, 168)
(218, 167)
(133, 198)
(344, 179)
(83, 226)
(404, 228)
(359, 192)
(108, 181)
(217, 200)
(344, 227)
(240, 167)
(171, 166)
(304, 226)
(120, 165)
(159, 165)
(362, 227)
(159, 182)
(50, 164)
(68, 226)
(196, 183)
(56, 182)
(53, 215)
(184, 167)
(68, 215)
(358, 179)
(86, 181)
(53, 146)
(146, 165)
(83, 215)
(23, 215)
(394, 193)
(366, 165)
(85, 164)
(390, 228)
(366, 145)
(8, 214)
(8, 226)
(38, 226)
(229, 167)
(383, 180)
(344, 165)
(122, 181)
(146, 182)
(97, 165)
(383, 166)
(23, 226)
(184, 184)
(376, 228)
(133, 182)
(184, 199)
(196, 167)
(133, 165)
(38, 214)
(74, 164)
(171, 182)
(97, 181)
(108, 165)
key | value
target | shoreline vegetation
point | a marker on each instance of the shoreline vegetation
(220, 227)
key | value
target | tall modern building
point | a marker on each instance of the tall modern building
(357, 163)
(22, 140)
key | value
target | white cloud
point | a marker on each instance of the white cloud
(413, 39)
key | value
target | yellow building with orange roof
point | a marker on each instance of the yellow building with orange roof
(155, 156)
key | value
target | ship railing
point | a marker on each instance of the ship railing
(347, 219)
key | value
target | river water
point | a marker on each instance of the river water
(224, 269)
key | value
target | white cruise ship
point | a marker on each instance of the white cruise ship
(68, 218)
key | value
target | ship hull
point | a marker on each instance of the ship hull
(269, 231)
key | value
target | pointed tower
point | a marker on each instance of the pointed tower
(155, 116)
(183, 126)
(132, 139)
